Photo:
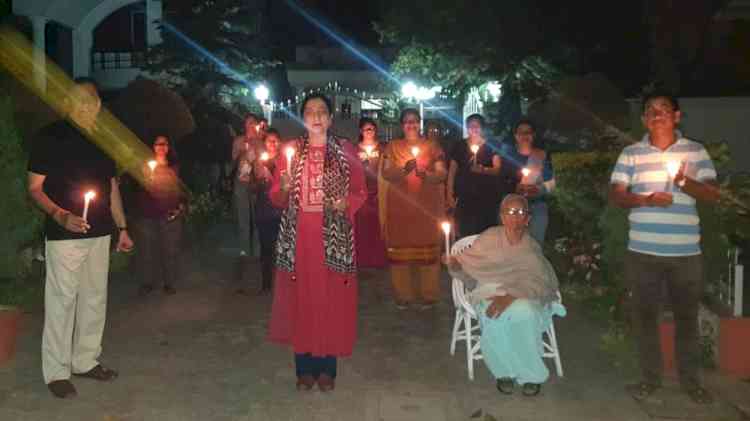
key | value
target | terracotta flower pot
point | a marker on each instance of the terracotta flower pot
(9, 323)
(666, 332)
(734, 346)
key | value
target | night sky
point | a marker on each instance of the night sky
(352, 19)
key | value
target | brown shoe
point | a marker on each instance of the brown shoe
(62, 389)
(305, 382)
(99, 373)
(326, 383)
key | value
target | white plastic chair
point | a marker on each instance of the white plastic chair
(466, 324)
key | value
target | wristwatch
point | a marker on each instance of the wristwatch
(122, 228)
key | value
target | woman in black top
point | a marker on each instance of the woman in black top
(267, 217)
(159, 208)
(473, 181)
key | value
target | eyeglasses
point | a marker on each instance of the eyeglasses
(657, 112)
(515, 211)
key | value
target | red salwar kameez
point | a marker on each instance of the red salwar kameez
(315, 309)
(370, 244)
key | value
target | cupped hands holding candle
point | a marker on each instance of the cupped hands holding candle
(368, 150)
(152, 165)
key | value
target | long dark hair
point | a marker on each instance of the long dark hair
(319, 96)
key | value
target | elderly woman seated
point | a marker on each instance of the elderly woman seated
(514, 291)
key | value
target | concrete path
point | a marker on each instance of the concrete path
(202, 355)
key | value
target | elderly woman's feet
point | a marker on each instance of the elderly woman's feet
(505, 385)
(531, 389)
(326, 383)
(305, 383)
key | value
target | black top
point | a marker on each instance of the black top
(472, 186)
(265, 211)
(160, 194)
(73, 165)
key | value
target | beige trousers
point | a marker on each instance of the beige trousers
(75, 305)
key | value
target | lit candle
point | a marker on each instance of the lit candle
(474, 150)
(526, 173)
(152, 165)
(368, 150)
(86, 199)
(446, 226)
(415, 151)
(673, 167)
(289, 154)
(264, 156)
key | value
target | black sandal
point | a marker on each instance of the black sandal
(505, 385)
(642, 390)
(531, 389)
(99, 373)
(700, 395)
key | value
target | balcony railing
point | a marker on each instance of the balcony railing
(111, 60)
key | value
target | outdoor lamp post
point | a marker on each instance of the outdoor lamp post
(420, 94)
(262, 94)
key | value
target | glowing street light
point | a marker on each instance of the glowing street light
(420, 94)
(495, 89)
(262, 93)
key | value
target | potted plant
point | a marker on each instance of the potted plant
(10, 318)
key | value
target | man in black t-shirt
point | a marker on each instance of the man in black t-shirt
(64, 166)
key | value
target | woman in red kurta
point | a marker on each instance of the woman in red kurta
(370, 245)
(315, 296)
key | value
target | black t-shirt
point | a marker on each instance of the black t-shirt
(472, 186)
(73, 165)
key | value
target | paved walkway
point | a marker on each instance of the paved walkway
(201, 355)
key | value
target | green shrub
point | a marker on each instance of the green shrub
(20, 221)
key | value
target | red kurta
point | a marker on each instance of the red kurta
(370, 244)
(316, 310)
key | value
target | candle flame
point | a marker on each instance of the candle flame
(525, 172)
(415, 151)
(89, 195)
(672, 168)
(264, 156)
(474, 149)
(446, 226)
(368, 149)
(152, 165)
(289, 152)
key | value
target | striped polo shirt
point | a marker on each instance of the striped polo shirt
(670, 231)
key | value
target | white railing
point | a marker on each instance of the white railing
(731, 292)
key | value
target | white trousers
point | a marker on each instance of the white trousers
(75, 306)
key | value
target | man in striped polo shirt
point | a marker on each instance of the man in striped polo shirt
(659, 179)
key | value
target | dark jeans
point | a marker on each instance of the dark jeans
(315, 366)
(648, 276)
(157, 250)
(268, 232)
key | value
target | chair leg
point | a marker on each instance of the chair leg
(553, 342)
(456, 328)
(469, 346)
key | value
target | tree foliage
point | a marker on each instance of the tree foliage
(210, 48)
